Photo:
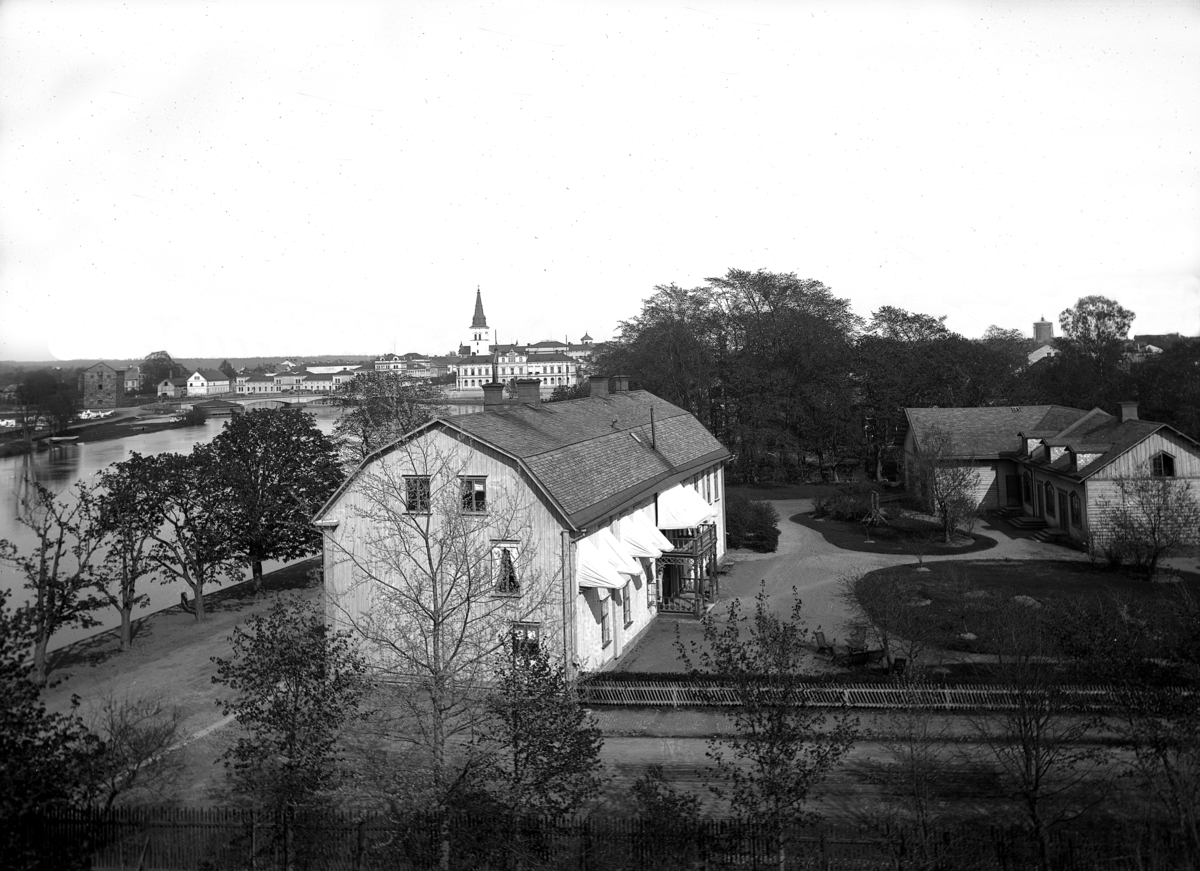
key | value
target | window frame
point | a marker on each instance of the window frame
(627, 603)
(465, 481)
(1076, 508)
(1159, 465)
(501, 587)
(1027, 488)
(605, 622)
(525, 639)
(1051, 500)
(412, 484)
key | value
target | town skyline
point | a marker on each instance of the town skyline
(221, 179)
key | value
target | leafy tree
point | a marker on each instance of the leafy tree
(752, 524)
(890, 322)
(672, 843)
(582, 390)
(945, 479)
(59, 572)
(1151, 518)
(1096, 324)
(379, 407)
(782, 746)
(124, 516)
(45, 758)
(276, 469)
(1168, 386)
(539, 747)
(886, 602)
(45, 397)
(157, 367)
(229, 372)
(295, 686)
(190, 523)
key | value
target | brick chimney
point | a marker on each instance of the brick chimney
(1128, 411)
(529, 390)
(620, 384)
(493, 396)
(599, 386)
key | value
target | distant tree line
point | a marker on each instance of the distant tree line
(791, 380)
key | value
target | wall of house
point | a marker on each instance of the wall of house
(378, 542)
(102, 387)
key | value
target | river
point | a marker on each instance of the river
(60, 467)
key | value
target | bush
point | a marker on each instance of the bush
(851, 503)
(751, 524)
(195, 417)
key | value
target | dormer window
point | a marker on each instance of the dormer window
(1162, 465)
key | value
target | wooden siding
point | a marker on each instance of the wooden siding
(514, 513)
(1136, 460)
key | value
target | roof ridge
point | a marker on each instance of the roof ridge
(1087, 416)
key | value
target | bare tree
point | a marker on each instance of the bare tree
(441, 574)
(380, 407)
(1040, 742)
(1152, 518)
(782, 747)
(944, 479)
(890, 604)
(138, 736)
(58, 573)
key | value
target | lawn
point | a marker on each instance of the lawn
(962, 598)
(910, 536)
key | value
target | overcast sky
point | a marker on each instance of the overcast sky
(250, 178)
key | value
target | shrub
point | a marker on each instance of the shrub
(751, 524)
(851, 503)
(195, 417)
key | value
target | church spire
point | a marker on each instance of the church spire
(479, 322)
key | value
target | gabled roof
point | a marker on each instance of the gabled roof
(990, 432)
(211, 374)
(589, 456)
(555, 357)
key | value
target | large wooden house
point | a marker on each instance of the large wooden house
(1056, 464)
(570, 525)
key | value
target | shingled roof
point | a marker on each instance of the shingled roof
(989, 433)
(590, 456)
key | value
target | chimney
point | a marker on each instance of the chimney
(1128, 411)
(599, 386)
(493, 396)
(620, 384)
(529, 390)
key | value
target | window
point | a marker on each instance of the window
(525, 639)
(1162, 466)
(1050, 509)
(652, 573)
(627, 603)
(474, 495)
(1076, 516)
(416, 493)
(504, 568)
(1027, 489)
(605, 622)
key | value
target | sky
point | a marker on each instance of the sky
(231, 179)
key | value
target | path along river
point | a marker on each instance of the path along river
(60, 467)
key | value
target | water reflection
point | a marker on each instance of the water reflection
(54, 468)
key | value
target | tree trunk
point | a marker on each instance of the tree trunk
(257, 574)
(39, 659)
(126, 627)
(198, 599)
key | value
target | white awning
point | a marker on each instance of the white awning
(682, 508)
(594, 566)
(642, 538)
(622, 560)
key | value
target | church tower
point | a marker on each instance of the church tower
(479, 344)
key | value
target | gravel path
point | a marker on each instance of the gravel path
(807, 562)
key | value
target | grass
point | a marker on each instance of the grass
(961, 597)
(911, 537)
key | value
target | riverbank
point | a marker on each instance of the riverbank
(124, 423)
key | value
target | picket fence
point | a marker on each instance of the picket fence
(600, 690)
(178, 839)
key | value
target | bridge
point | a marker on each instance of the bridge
(286, 400)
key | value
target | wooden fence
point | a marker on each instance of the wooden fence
(200, 839)
(600, 690)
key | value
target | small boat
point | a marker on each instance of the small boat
(61, 440)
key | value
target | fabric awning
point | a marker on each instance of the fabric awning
(594, 568)
(620, 556)
(642, 538)
(682, 508)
